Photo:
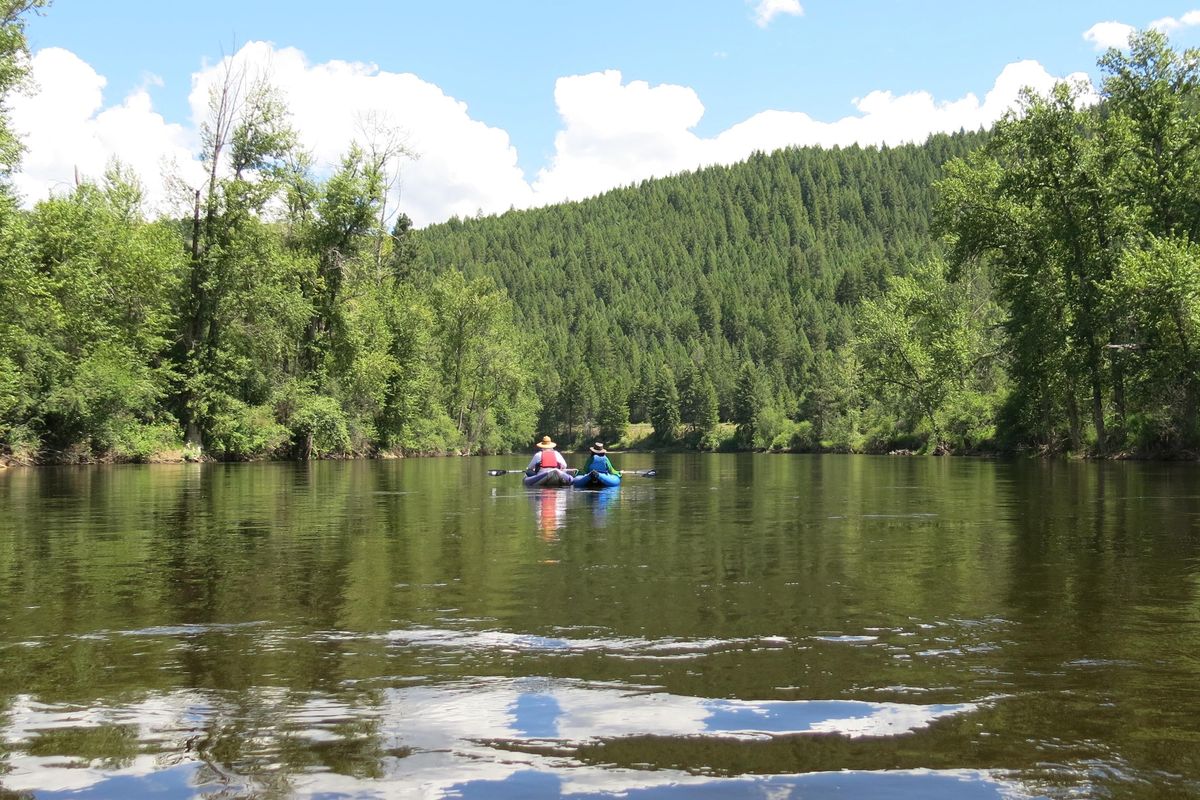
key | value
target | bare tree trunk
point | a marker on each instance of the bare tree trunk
(201, 328)
(1098, 416)
(196, 229)
(1073, 420)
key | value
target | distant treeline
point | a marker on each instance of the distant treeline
(1036, 286)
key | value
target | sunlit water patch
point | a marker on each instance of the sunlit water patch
(492, 640)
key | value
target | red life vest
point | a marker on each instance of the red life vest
(548, 459)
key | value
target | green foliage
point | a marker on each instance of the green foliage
(803, 438)
(1085, 217)
(757, 422)
(101, 395)
(318, 426)
(92, 286)
(1044, 208)
(238, 430)
(924, 345)
(14, 69)
(1155, 296)
(703, 271)
(612, 415)
(699, 408)
(664, 406)
(1152, 133)
(772, 429)
(486, 371)
(23, 314)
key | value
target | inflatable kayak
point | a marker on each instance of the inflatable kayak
(596, 480)
(549, 477)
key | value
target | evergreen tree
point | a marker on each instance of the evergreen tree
(664, 406)
(612, 416)
(750, 402)
(698, 402)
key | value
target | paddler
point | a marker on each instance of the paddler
(597, 461)
(547, 457)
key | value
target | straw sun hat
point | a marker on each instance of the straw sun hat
(598, 449)
(545, 443)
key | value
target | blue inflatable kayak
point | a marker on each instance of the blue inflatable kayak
(596, 480)
(548, 477)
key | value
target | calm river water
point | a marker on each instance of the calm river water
(739, 626)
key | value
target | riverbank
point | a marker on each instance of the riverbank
(638, 438)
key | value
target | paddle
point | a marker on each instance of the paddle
(495, 472)
(641, 473)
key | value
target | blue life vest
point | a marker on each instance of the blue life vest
(598, 463)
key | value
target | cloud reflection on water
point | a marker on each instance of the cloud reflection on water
(460, 739)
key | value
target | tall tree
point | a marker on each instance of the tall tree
(664, 406)
(14, 70)
(1153, 132)
(225, 350)
(485, 373)
(698, 401)
(750, 402)
(1156, 293)
(923, 344)
(22, 313)
(612, 415)
(1039, 204)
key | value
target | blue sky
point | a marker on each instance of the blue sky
(506, 62)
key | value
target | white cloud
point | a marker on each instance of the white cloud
(1104, 35)
(612, 133)
(464, 165)
(66, 129)
(615, 134)
(767, 10)
(1169, 25)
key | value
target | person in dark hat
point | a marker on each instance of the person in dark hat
(598, 460)
(547, 457)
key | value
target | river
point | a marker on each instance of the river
(737, 626)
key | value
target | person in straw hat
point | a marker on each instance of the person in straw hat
(547, 457)
(597, 461)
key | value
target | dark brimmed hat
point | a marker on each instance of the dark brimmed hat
(546, 443)
(598, 449)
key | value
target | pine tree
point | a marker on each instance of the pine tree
(664, 406)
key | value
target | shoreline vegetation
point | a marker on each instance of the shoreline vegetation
(1030, 289)
(638, 438)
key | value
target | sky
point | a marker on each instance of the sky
(518, 103)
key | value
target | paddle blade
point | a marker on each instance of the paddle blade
(495, 472)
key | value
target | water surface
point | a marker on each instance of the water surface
(739, 626)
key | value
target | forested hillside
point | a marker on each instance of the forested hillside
(1035, 287)
(693, 280)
